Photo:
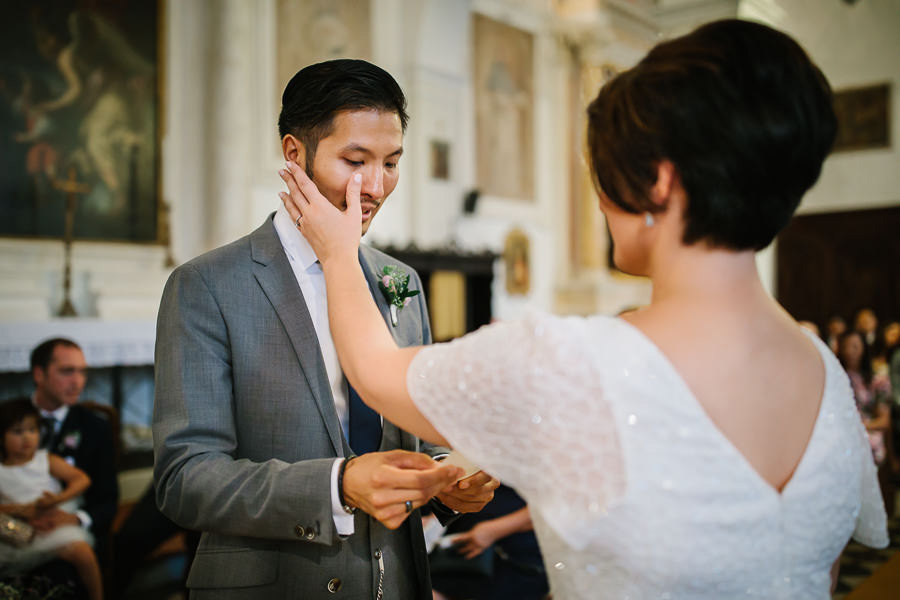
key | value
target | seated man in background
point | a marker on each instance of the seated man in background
(80, 436)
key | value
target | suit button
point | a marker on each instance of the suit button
(299, 531)
(334, 585)
(310, 534)
(377, 554)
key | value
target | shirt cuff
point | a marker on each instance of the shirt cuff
(343, 521)
(86, 520)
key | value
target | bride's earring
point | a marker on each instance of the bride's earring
(649, 221)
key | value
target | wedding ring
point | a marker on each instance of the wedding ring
(409, 506)
(297, 221)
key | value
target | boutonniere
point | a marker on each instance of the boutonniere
(394, 284)
(72, 440)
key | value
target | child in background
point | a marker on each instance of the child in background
(30, 483)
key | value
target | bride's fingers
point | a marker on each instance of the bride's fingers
(352, 196)
(310, 193)
(293, 198)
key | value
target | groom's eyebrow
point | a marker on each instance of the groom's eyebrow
(364, 150)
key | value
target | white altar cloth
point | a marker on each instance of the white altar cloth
(105, 343)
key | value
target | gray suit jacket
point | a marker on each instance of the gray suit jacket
(245, 433)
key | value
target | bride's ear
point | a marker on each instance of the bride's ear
(293, 150)
(667, 182)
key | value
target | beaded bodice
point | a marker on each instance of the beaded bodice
(634, 492)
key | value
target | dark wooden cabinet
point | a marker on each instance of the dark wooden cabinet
(836, 263)
(476, 268)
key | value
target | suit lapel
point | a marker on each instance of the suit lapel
(276, 278)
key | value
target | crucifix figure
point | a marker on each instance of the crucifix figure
(71, 187)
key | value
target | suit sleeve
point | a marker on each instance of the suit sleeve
(203, 480)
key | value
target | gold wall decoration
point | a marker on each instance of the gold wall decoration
(517, 260)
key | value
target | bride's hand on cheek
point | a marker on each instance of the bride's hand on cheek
(330, 231)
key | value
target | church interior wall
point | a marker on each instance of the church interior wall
(220, 150)
(855, 44)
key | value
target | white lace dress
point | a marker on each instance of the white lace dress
(634, 491)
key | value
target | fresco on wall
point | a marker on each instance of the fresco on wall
(504, 109)
(318, 30)
(78, 116)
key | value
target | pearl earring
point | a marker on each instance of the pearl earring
(649, 221)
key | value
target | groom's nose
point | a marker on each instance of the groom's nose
(373, 183)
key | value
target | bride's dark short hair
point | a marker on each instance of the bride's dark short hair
(742, 113)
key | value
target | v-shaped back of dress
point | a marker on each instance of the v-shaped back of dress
(634, 491)
(662, 366)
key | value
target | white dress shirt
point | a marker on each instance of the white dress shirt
(309, 276)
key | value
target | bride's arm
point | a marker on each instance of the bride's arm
(369, 356)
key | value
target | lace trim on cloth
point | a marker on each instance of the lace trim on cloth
(520, 400)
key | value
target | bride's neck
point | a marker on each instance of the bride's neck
(698, 274)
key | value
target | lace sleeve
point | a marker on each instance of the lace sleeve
(524, 400)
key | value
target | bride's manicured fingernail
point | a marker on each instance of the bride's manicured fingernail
(282, 172)
(282, 195)
(357, 178)
(288, 165)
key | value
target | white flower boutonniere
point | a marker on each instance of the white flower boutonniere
(394, 284)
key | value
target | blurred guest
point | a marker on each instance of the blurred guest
(872, 392)
(892, 357)
(141, 533)
(809, 326)
(867, 324)
(834, 329)
(887, 344)
(500, 540)
(81, 437)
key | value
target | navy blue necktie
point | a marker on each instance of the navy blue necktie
(48, 431)
(365, 425)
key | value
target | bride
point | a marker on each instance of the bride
(704, 447)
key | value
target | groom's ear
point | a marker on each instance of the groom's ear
(293, 150)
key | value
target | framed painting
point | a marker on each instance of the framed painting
(863, 118)
(80, 112)
(440, 159)
(517, 261)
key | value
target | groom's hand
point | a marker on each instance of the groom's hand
(380, 483)
(469, 494)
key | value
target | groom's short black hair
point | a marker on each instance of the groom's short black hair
(318, 92)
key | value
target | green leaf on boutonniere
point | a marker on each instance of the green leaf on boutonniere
(394, 285)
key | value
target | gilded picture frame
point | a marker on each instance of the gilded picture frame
(81, 106)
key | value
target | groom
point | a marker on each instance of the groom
(253, 417)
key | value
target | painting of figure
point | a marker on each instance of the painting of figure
(79, 111)
(317, 30)
(504, 108)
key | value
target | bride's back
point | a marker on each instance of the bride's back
(754, 372)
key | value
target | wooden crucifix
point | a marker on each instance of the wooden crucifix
(71, 187)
